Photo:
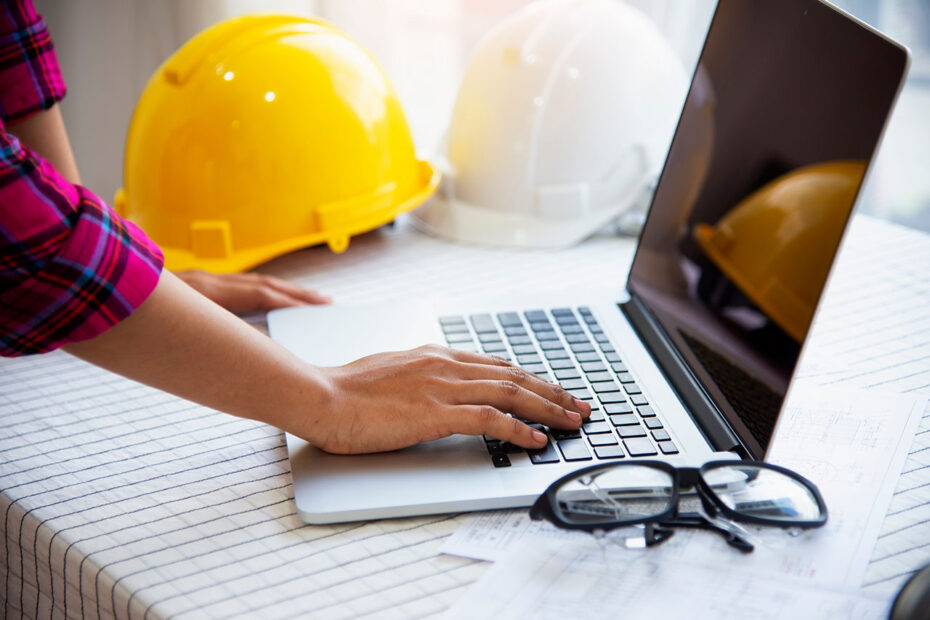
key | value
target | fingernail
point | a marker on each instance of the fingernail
(574, 417)
(539, 436)
(581, 404)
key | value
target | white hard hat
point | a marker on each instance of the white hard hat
(563, 117)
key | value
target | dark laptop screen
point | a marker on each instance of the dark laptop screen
(784, 113)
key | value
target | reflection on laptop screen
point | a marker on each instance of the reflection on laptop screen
(784, 113)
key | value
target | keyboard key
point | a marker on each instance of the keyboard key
(456, 328)
(560, 434)
(572, 338)
(631, 431)
(451, 320)
(511, 448)
(597, 377)
(556, 354)
(572, 329)
(661, 435)
(548, 454)
(518, 340)
(495, 449)
(541, 326)
(652, 423)
(461, 337)
(581, 347)
(500, 460)
(550, 345)
(489, 336)
(624, 419)
(559, 364)
(593, 367)
(602, 388)
(632, 388)
(584, 310)
(639, 447)
(618, 408)
(534, 368)
(639, 399)
(535, 315)
(646, 412)
(595, 428)
(602, 440)
(567, 373)
(524, 349)
(573, 384)
(483, 323)
(595, 415)
(562, 312)
(582, 394)
(625, 377)
(611, 397)
(595, 329)
(508, 319)
(667, 447)
(546, 335)
(612, 357)
(493, 347)
(515, 330)
(588, 357)
(528, 359)
(607, 348)
(464, 346)
(618, 367)
(609, 452)
(601, 338)
(574, 450)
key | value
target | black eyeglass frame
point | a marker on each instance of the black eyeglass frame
(546, 506)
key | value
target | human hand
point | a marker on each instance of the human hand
(249, 292)
(394, 400)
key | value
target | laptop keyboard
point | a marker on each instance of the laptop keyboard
(568, 347)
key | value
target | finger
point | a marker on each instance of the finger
(304, 295)
(471, 357)
(244, 296)
(487, 420)
(513, 398)
(526, 379)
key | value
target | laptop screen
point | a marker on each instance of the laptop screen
(784, 112)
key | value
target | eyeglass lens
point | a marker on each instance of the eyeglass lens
(614, 495)
(762, 493)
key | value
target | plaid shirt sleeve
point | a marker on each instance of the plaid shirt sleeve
(30, 78)
(70, 267)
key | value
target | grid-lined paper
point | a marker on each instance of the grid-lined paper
(874, 332)
(121, 501)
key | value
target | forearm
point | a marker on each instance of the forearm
(45, 133)
(180, 342)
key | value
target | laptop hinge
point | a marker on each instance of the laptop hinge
(705, 414)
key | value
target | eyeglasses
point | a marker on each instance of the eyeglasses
(605, 497)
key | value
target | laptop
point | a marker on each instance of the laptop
(689, 359)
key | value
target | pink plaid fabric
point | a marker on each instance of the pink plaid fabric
(70, 267)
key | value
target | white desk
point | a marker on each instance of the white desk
(118, 500)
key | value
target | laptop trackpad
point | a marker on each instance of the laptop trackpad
(338, 334)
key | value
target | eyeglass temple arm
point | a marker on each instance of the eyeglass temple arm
(695, 520)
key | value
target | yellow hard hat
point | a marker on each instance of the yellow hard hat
(264, 134)
(778, 243)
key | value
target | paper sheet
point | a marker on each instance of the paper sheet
(601, 580)
(850, 443)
